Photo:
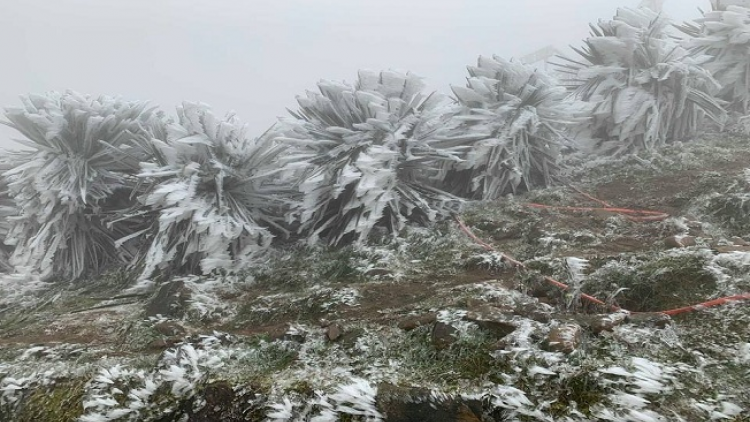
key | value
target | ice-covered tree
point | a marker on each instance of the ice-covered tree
(723, 34)
(513, 115)
(366, 153)
(212, 194)
(72, 181)
(644, 89)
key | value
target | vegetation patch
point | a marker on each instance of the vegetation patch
(59, 402)
(654, 285)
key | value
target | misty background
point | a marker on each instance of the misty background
(254, 57)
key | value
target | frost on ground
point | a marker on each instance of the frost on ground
(428, 323)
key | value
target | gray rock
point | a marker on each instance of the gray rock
(736, 240)
(565, 338)
(650, 319)
(170, 329)
(679, 241)
(334, 332)
(414, 321)
(492, 319)
(599, 323)
(411, 404)
(443, 335)
(534, 311)
(378, 272)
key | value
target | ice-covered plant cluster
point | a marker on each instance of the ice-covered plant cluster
(723, 34)
(212, 192)
(108, 182)
(369, 149)
(643, 88)
(71, 186)
(516, 117)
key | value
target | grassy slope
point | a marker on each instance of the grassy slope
(238, 345)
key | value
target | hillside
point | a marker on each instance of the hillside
(430, 326)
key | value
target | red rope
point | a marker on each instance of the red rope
(507, 258)
(637, 215)
(671, 312)
(632, 214)
(709, 304)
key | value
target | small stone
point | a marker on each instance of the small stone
(409, 404)
(413, 321)
(678, 241)
(169, 328)
(650, 319)
(565, 338)
(296, 337)
(736, 240)
(443, 335)
(731, 248)
(672, 242)
(378, 272)
(334, 332)
(539, 311)
(284, 332)
(158, 344)
(492, 319)
(600, 323)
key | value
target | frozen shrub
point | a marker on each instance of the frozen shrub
(367, 153)
(212, 195)
(644, 89)
(513, 116)
(723, 34)
(72, 182)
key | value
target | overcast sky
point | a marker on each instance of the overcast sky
(255, 56)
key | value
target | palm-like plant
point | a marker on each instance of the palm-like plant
(644, 89)
(514, 115)
(69, 186)
(8, 210)
(367, 152)
(723, 34)
(211, 194)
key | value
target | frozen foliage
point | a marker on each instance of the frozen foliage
(353, 399)
(213, 193)
(125, 394)
(7, 209)
(723, 34)
(367, 151)
(632, 387)
(513, 115)
(644, 90)
(69, 187)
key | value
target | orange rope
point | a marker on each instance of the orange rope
(639, 215)
(507, 258)
(632, 214)
(709, 304)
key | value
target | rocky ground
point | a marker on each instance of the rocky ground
(429, 327)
